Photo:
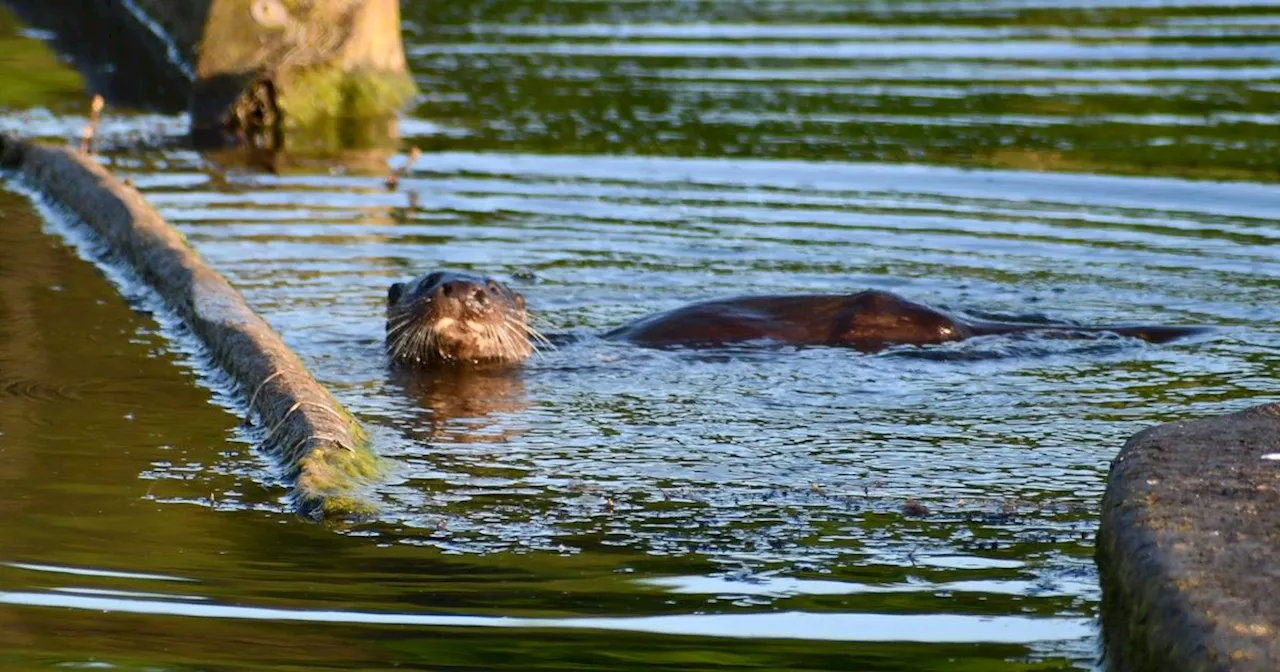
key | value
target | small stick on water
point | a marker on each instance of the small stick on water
(91, 128)
(393, 177)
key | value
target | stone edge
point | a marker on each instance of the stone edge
(1153, 613)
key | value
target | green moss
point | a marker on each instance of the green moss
(308, 98)
(327, 109)
(329, 479)
(346, 507)
(371, 94)
(363, 464)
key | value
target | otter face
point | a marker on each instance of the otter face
(456, 318)
(874, 319)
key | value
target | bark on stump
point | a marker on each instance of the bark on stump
(311, 75)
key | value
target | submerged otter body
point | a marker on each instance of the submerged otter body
(455, 325)
(868, 321)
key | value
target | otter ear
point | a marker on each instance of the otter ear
(519, 301)
(394, 292)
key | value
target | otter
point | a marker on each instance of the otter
(446, 317)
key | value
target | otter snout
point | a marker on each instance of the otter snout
(473, 295)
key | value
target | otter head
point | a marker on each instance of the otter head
(874, 319)
(455, 318)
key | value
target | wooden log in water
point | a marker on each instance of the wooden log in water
(1187, 546)
(320, 444)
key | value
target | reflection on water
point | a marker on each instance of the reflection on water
(931, 628)
(738, 507)
(457, 403)
(1136, 87)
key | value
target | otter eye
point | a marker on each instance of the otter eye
(493, 287)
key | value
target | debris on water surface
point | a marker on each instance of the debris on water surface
(913, 507)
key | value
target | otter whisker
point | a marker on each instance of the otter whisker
(529, 333)
(422, 342)
(492, 334)
(526, 326)
(396, 327)
(504, 334)
(431, 348)
(516, 335)
(397, 332)
(402, 346)
(536, 335)
(513, 338)
(406, 342)
(399, 324)
(504, 341)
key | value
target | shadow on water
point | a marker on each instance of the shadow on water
(610, 507)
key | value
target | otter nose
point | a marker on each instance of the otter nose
(463, 290)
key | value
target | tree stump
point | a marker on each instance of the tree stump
(300, 74)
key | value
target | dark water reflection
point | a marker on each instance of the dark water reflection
(609, 507)
(1135, 87)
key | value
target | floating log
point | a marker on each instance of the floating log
(318, 442)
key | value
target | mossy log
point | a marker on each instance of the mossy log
(321, 446)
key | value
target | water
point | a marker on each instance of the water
(612, 507)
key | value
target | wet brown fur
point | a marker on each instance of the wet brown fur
(868, 321)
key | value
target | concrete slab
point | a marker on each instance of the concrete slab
(1189, 546)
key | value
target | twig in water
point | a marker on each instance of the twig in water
(393, 176)
(91, 128)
